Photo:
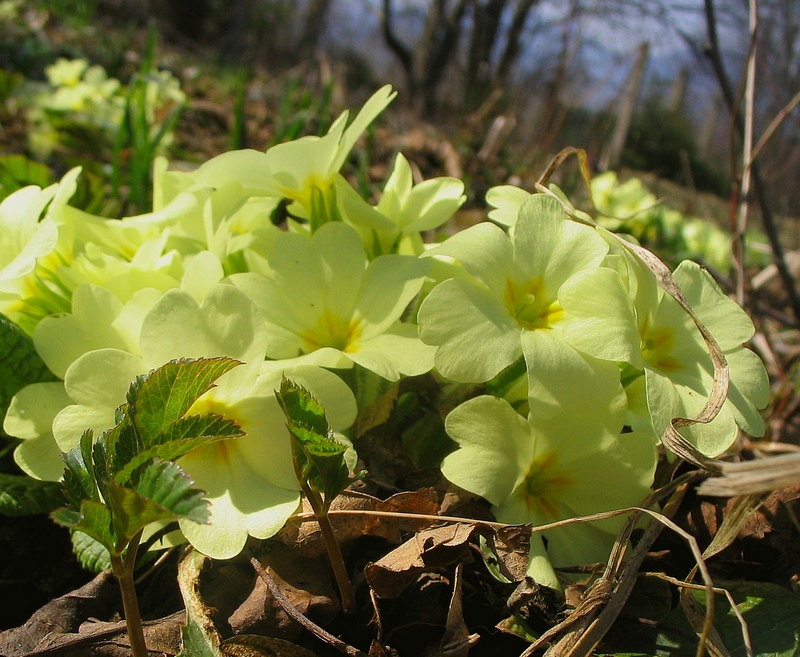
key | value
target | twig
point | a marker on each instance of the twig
(747, 149)
(780, 117)
(713, 53)
(293, 613)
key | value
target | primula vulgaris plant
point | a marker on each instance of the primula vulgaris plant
(126, 480)
(574, 358)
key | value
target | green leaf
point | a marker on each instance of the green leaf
(122, 444)
(20, 365)
(79, 483)
(21, 495)
(302, 408)
(94, 519)
(160, 490)
(167, 485)
(319, 458)
(17, 171)
(91, 554)
(180, 438)
(164, 395)
(770, 611)
(130, 513)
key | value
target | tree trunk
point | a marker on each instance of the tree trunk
(514, 40)
(313, 26)
(610, 159)
(485, 26)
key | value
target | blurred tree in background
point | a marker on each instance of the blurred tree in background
(536, 74)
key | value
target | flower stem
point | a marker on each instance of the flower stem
(123, 569)
(337, 564)
(332, 546)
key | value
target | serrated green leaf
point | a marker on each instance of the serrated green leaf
(170, 487)
(209, 425)
(94, 519)
(91, 554)
(20, 365)
(158, 490)
(182, 437)
(122, 443)
(166, 394)
(101, 461)
(302, 409)
(66, 517)
(21, 495)
(320, 458)
(130, 513)
(78, 482)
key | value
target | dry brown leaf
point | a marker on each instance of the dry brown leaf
(253, 645)
(512, 546)
(61, 616)
(304, 534)
(457, 640)
(430, 548)
(305, 582)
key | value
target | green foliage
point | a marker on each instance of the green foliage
(153, 105)
(17, 171)
(76, 11)
(122, 482)
(770, 611)
(319, 457)
(91, 554)
(302, 112)
(9, 82)
(24, 47)
(21, 495)
(20, 365)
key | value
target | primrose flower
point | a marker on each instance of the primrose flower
(511, 298)
(249, 480)
(303, 170)
(23, 238)
(30, 417)
(324, 304)
(404, 210)
(30, 251)
(557, 464)
(678, 373)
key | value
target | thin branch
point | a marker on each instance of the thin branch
(401, 51)
(776, 123)
(747, 149)
(713, 53)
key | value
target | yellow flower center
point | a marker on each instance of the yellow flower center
(333, 331)
(219, 451)
(530, 305)
(544, 483)
(657, 345)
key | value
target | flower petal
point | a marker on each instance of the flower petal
(495, 445)
(30, 416)
(474, 333)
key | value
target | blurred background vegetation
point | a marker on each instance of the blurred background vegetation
(490, 90)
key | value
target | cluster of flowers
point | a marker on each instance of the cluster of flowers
(630, 207)
(585, 357)
(79, 98)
